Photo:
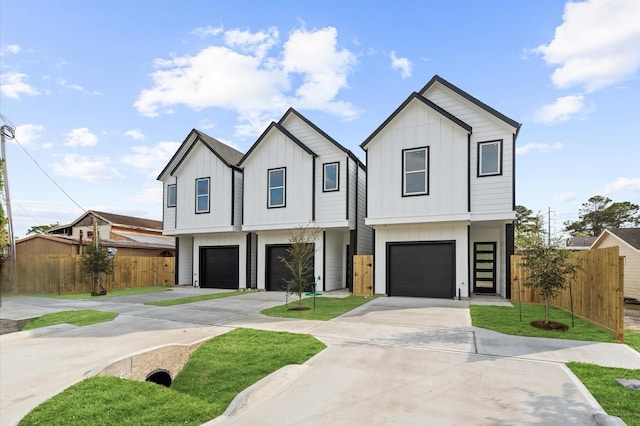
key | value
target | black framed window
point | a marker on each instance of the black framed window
(331, 177)
(171, 195)
(202, 195)
(490, 158)
(415, 171)
(277, 181)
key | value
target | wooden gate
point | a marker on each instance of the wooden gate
(363, 275)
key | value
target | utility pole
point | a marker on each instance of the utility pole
(7, 131)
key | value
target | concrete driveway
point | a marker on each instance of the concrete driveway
(391, 361)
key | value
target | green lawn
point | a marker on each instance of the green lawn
(326, 308)
(614, 398)
(213, 376)
(112, 293)
(82, 317)
(199, 298)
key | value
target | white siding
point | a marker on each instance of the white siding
(184, 261)
(631, 265)
(364, 233)
(335, 260)
(450, 231)
(490, 194)
(202, 163)
(168, 213)
(276, 151)
(221, 239)
(417, 126)
(237, 198)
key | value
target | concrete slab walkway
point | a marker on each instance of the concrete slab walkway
(391, 361)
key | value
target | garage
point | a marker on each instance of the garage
(276, 273)
(219, 267)
(421, 269)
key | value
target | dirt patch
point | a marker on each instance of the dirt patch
(11, 326)
(551, 325)
(632, 319)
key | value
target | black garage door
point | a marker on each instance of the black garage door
(219, 267)
(276, 273)
(421, 269)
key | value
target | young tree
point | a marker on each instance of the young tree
(599, 213)
(300, 261)
(550, 269)
(95, 262)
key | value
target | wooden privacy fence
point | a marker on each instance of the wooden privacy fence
(363, 275)
(62, 274)
(597, 290)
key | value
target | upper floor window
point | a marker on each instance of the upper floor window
(331, 177)
(277, 188)
(171, 195)
(415, 171)
(490, 158)
(202, 195)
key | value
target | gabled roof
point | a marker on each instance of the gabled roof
(284, 131)
(630, 236)
(229, 156)
(117, 220)
(437, 79)
(292, 111)
(425, 101)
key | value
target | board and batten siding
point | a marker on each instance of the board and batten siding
(489, 194)
(277, 151)
(237, 198)
(202, 163)
(364, 235)
(420, 232)
(417, 126)
(330, 206)
(221, 239)
(168, 213)
(184, 263)
(335, 252)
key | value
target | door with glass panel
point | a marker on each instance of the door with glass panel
(484, 271)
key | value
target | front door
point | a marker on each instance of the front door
(484, 271)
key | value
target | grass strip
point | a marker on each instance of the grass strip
(216, 372)
(80, 318)
(199, 298)
(112, 293)
(614, 398)
(506, 319)
(326, 308)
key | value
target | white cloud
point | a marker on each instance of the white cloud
(564, 196)
(597, 44)
(622, 185)
(540, 147)
(151, 159)
(85, 168)
(13, 85)
(402, 64)
(28, 133)
(563, 109)
(245, 76)
(135, 134)
(207, 31)
(81, 137)
(10, 49)
(148, 195)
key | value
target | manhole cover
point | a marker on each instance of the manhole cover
(630, 383)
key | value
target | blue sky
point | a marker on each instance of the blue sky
(103, 92)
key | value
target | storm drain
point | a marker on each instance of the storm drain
(159, 377)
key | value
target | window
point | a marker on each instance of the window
(277, 182)
(331, 177)
(202, 195)
(415, 171)
(490, 158)
(171, 195)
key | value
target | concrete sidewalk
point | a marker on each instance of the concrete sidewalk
(393, 360)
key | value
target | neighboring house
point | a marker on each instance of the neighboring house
(441, 195)
(628, 242)
(202, 209)
(295, 175)
(580, 243)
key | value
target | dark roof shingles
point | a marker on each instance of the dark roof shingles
(630, 235)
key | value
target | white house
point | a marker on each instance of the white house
(295, 175)
(441, 195)
(202, 208)
(628, 242)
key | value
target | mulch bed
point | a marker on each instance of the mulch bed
(551, 325)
